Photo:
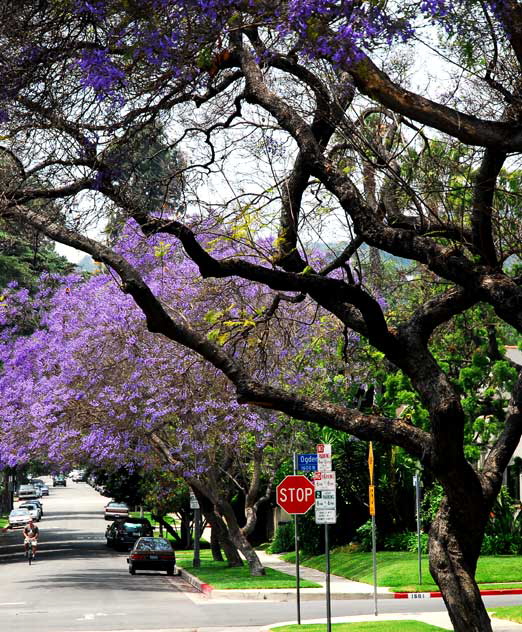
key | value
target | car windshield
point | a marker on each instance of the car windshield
(117, 506)
(19, 512)
(153, 544)
(132, 527)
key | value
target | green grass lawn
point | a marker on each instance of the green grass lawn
(512, 613)
(4, 521)
(399, 570)
(147, 514)
(220, 577)
(374, 626)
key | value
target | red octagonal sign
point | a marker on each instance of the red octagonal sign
(295, 494)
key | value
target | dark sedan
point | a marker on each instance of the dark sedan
(122, 534)
(155, 554)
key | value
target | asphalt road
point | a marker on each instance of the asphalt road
(78, 584)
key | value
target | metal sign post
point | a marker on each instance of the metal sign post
(296, 541)
(374, 539)
(194, 504)
(328, 596)
(416, 482)
(325, 511)
(295, 494)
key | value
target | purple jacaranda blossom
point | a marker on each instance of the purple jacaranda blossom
(93, 9)
(100, 73)
(93, 381)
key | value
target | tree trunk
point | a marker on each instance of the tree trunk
(215, 546)
(6, 494)
(222, 534)
(453, 559)
(184, 529)
(239, 539)
(219, 529)
(168, 528)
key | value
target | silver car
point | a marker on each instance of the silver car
(33, 509)
(19, 518)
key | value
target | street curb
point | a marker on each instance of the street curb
(436, 594)
(206, 589)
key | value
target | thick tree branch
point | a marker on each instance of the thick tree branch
(469, 129)
(484, 191)
(500, 455)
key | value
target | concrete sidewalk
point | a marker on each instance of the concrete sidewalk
(439, 619)
(341, 588)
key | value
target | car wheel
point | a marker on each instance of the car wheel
(132, 570)
(170, 570)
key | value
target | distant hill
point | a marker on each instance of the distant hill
(86, 264)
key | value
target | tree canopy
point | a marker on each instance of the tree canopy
(361, 129)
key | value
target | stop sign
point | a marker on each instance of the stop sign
(295, 494)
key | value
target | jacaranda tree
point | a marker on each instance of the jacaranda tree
(91, 383)
(367, 127)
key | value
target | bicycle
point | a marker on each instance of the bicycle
(30, 551)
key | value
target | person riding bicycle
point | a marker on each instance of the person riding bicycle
(31, 534)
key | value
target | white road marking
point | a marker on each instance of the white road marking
(13, 603)
(92, 616)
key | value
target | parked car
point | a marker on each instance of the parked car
(114, 510)
(19, 518)
(59, 480)
(44, 489)
(122, 534)
(25, 492)
(154, 554)
(39, 485)
(33, 509)
(78, 476)
(40, 504)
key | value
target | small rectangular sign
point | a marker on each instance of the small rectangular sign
(324, 481)
(325, 516)
(372, 500)
(324, 463)
(324, 448)
(306, 463)
(194, 504)
(325, 499)
(419, 595)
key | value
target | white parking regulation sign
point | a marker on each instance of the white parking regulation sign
(325, 516)
(324, 481)
(325, 499)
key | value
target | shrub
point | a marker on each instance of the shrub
(406, 541)
(504, 529)
(363, 536)
(284, 538)
(311, 539)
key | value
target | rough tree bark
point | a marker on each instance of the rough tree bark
(220, 530)
(215, 546)
(453, 555)
(239, 539)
